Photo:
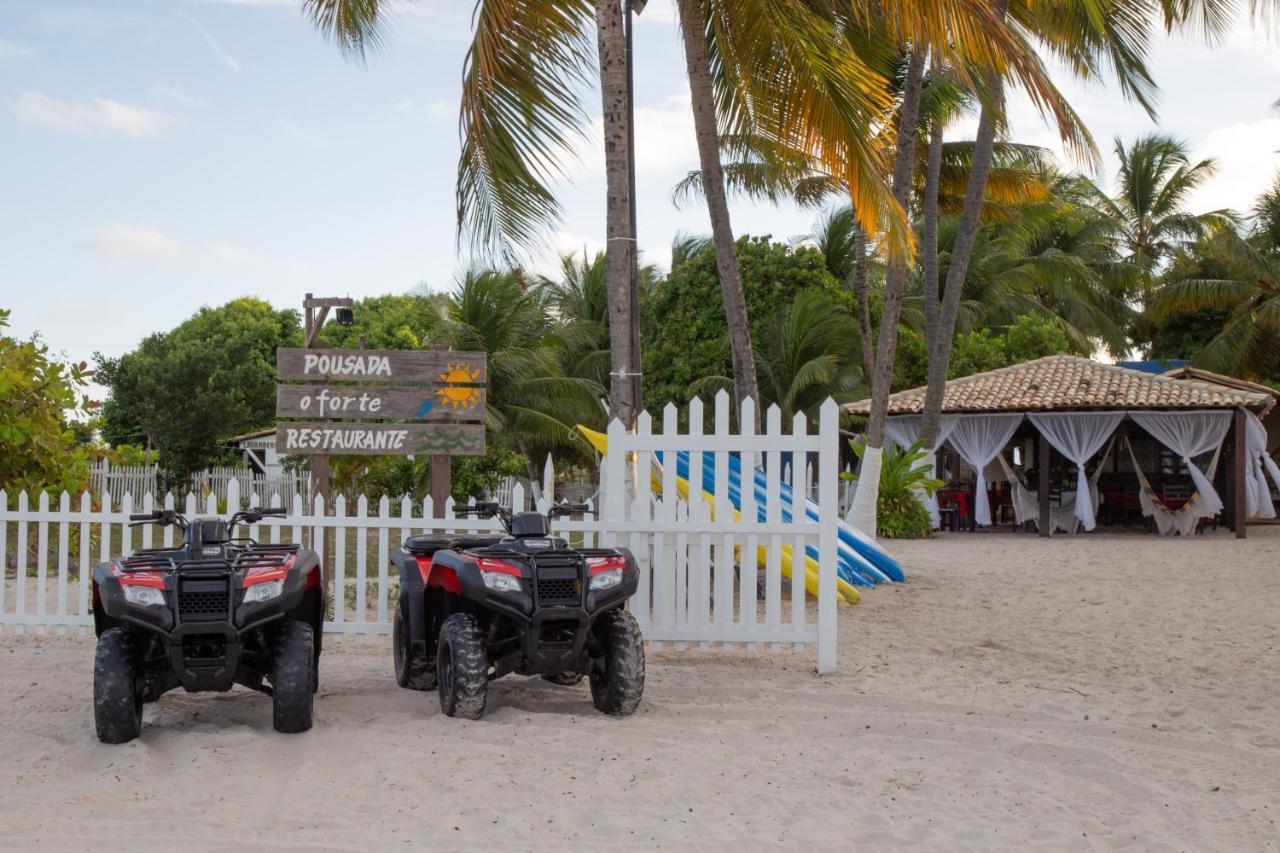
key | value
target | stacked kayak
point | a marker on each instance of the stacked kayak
(860, 561)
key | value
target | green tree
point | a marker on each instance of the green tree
(1028, 337)
(532, 403)
(685, 337)
(1247, 290)
(1149, 212)
(392, 321)
(578, 300)
(191, 388)
(805, 355)
(39, 446)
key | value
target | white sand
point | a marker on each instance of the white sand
(1013, 695)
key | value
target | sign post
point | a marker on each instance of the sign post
(382, 403)
(314, 313)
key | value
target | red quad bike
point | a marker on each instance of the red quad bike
(474, 608)
(210, 613)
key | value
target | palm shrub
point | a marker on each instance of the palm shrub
(904, 474)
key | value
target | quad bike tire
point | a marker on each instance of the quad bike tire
(117, 697)
(565, 679)
(462, 667)
(412, 673)
(293, 676)
(617, 674)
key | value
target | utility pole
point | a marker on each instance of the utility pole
(314, 314)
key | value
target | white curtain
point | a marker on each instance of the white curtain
(904, 431)
(1190, 434)
(1077, 436)
(978, 438)
(1258, 490)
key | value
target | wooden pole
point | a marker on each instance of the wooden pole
(1239, 455)
(440, 476)
(314, 313)
(1044, 485)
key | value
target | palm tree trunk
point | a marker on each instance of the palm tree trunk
(862, 295)
(621, 243)
(693, 28)
(862, 514)
(966, 234)
(929, 252)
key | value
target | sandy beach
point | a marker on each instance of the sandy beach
(1101, 692)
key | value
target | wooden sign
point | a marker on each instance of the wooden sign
(381, 403)
(369, 439)
(358, 365)
(436, 402)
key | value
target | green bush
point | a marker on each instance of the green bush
(899, 513)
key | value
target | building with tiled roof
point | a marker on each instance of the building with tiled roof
(1070, 383)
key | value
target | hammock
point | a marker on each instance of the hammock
(1026, 508)
(1182, 520)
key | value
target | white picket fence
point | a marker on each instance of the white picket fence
(698, 581)
(121, 480)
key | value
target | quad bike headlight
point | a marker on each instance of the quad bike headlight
(143, 595)
(607, 579)
(263, 591)
(501, 582)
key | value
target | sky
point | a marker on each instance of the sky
(161, 155)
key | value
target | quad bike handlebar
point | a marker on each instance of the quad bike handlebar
(165, 517)
(162, 517)
(491, 509)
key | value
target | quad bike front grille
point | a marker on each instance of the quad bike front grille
(555, 591)
(204, 600)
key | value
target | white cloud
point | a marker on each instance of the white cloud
(1246, 159)
(100, 115)
(404, 105)
(134, 241)
(10, 49)
(226, 58)
(176, 94)
(560, 243)
(659, 12)
(148, 243)
(442, 110)
(665, 143)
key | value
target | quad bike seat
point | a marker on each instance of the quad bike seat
(425, 546)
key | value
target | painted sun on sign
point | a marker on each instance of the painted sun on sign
(457, 391)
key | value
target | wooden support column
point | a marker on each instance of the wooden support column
(1239, 457)
(1043, 496)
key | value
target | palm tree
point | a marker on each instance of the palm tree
(1055, 258)
(698, 63)
(531, 402)
(579, 304)
(1086, 36)
(805, 357)
(843, 244)
(1149, 212)
(1247, 287)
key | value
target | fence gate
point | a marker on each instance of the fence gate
(723, 557)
